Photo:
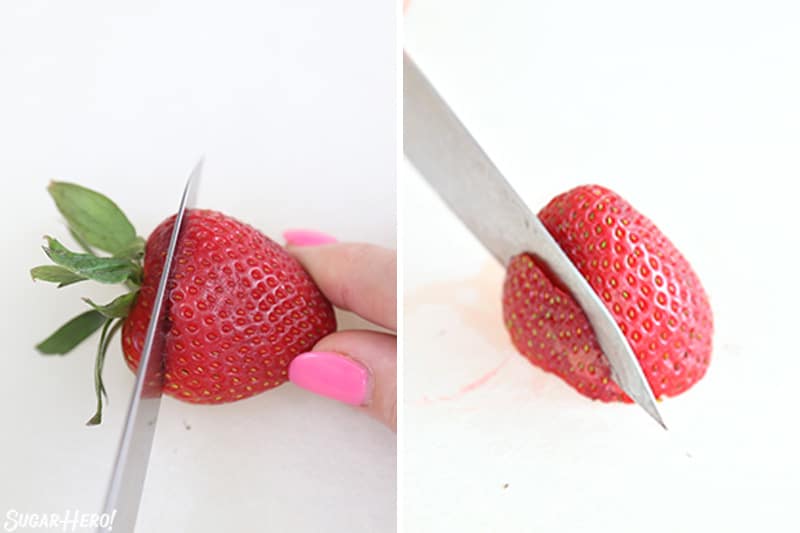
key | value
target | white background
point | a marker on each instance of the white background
(293, 104)
(690, 110)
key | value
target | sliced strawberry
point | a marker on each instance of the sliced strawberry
(644, 281)
(239, 307)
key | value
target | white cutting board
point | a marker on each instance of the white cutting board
(689, 110)
(293, 107)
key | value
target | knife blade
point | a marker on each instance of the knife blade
(130, 468)
(454, 164)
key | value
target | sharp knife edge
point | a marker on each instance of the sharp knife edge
(127, 481)
(453, 163)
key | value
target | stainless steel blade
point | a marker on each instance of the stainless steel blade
(453, 163)
(125, 489)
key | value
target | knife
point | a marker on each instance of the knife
(453, 163)
(127, 480)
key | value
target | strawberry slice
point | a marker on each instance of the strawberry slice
(641, 277)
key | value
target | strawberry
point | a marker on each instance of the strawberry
(239, 308)
(645, 282)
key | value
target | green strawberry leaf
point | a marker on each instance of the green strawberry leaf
(102, 349)
(56, 274)
(118, 308)
(134, 250)
(102, 269)
(95, 219)
(71, 334)
(85, 247)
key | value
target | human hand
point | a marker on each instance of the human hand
(358, 367)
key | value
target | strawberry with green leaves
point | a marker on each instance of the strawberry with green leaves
(239, 307)
(644, 281)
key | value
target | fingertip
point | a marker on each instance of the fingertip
(332, 375)
(303, 237)
(357, 367)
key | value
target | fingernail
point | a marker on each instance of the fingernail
(303, 237)
(332, 375)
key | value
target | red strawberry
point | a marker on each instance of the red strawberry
(239, 307)
(644, 281)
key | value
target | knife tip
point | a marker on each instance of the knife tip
(652, 410)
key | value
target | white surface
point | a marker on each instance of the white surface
(690, 111)
(293, 105)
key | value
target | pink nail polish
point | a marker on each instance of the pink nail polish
(302, 237)
(332, 375)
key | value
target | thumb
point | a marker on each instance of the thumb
(354, 367)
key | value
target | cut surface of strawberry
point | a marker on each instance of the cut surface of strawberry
(645, 282)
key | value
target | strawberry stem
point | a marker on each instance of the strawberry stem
(105, 339)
